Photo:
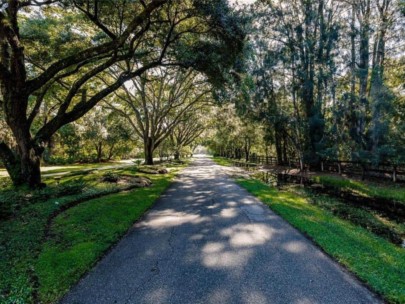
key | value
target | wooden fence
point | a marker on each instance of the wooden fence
(395, 172)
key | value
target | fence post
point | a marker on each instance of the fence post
(342, 166)
(363, 173)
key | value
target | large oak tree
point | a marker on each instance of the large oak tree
(156, 103)
(197, 34)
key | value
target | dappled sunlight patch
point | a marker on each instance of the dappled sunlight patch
(237, 247)
(247, 235)
(172, 220)
(157, 295)
(197, 237)
(303, 301)
(295, 247)
(231, 204)
(228, 213)
(213, 247)
(226, 258)
(254, 296)
(219, 296)
(375, 260)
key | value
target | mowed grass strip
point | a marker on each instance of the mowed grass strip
(374, 260)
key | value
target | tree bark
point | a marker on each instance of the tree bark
(278, 142)
(31, 168)
(285, 156)
(363, 72)
(149, 148)
(99, 149)
(111, 152)
(23, 167)
(11, 163)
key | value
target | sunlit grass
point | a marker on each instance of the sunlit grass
(74, 167)
(366, 189)
(376, 261)
(78, 237)
(222, 161)
(82, 234)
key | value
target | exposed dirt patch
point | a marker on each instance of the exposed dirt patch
(152, 170)
(139, 181)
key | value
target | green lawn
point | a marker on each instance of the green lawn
(366, 189)
(374, 260)
(74, 167)
(222, 161)
(35, 268)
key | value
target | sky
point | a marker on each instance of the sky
(242, 1)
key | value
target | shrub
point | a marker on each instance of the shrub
(138, 162)
(70, 188)
(110, 177)
(11, 201)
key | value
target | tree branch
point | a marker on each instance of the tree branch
(84, 106)
(91, 52)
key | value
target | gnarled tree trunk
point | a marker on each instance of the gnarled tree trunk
(23, 165)
(149, 147)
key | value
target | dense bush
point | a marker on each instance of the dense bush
(12, 200)
(110, 177)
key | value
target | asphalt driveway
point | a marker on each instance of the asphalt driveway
(207, 240)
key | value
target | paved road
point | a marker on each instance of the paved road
(208, 241)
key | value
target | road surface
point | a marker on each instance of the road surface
(207, 240)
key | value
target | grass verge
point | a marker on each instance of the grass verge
(374, 260)
(222, 161)
(362, 188)
(74, 167)
(36, 269)
(390, 229)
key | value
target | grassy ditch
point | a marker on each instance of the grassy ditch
(373, 259)
(396, 193)
(374, 207)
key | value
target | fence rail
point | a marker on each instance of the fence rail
(395, 172)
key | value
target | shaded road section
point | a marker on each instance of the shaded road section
(207, 240)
